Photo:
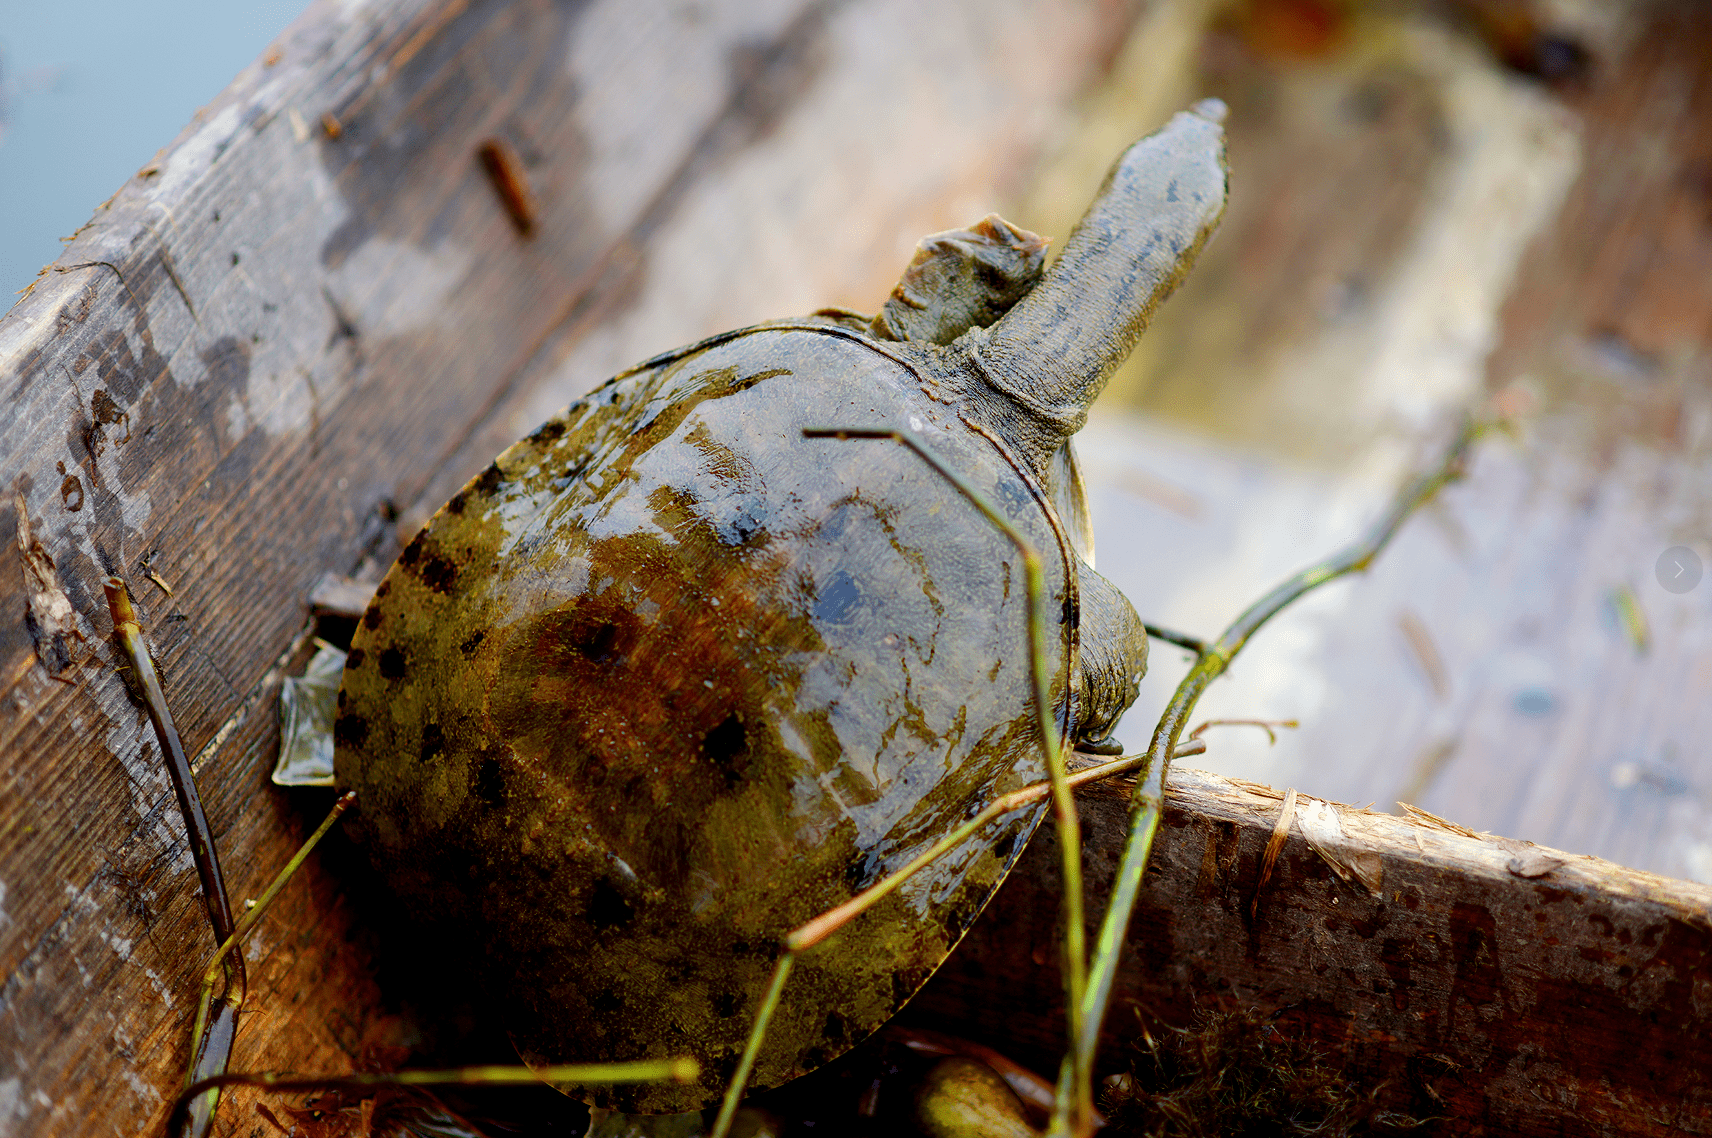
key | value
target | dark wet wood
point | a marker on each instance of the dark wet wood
(1503, 987)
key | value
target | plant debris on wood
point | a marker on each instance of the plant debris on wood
(1236, 1073)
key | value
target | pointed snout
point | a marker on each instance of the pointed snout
(1054, 351)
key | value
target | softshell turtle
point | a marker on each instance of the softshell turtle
(668, 679)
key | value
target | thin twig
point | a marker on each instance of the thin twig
(1265, 725)
(1193, 643)
(829, 922)
(248, 922)
(214, 1047)
(1426, 652)
(682, 1069)
(752, 1046)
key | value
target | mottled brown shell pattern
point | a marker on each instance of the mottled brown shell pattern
(668, 680)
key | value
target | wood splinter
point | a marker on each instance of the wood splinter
(505, 170)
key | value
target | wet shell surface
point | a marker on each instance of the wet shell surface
(641, 725)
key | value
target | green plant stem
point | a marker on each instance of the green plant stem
(829, 922)
(1078, 1113)
(212, 1045)
(246, 924)
(1209, 665)
(1182, 640)
(682, 1070)
(752, 1047)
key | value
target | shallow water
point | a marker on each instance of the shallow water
(89, 92)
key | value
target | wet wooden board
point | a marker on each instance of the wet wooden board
(1502, 987)
(311, 313)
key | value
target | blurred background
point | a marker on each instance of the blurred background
(78, 116)
(1437, 208)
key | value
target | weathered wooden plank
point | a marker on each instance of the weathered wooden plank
(257, 317)
(284, 329)
(1503, 987)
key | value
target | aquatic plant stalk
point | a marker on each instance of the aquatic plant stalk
(1209, 665)
(212, 1046)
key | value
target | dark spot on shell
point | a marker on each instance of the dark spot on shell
(835, 1027)
(815, 1058)
(549, 431)
(607, 907)
(341, 699)
(993, 278)
(383, 589)
(433, 741)
(354, 659)
(606, 1003)
(412, 552)
(469, 646)
(905, 981)
(727, 747)
(439, 573)
(837, 600)
(488, 481)
(490, 783)
(456, 505)
(725, 1005)
(392, 664)
(601, 647)
(350, 730)
(371, 617)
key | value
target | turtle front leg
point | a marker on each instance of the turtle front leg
(1113, 658)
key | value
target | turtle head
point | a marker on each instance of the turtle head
(1035, 371)
(961, 279)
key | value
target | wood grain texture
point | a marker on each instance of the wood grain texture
(312, 311)
(1502, 987)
